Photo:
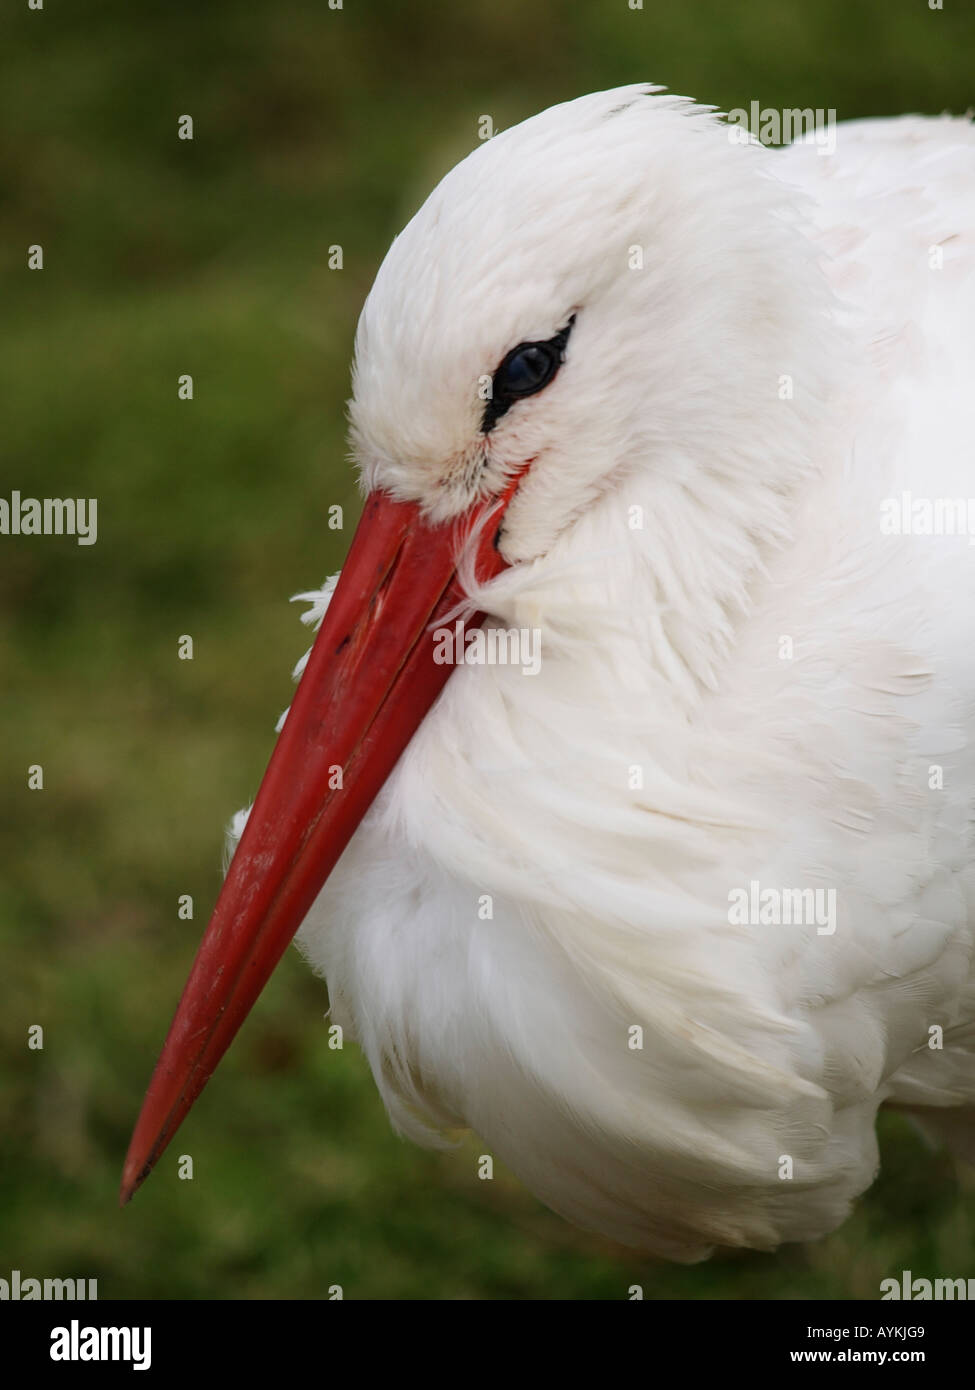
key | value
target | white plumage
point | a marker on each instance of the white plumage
(744, 679)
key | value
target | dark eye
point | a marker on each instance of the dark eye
(523, 371)
(527, 369)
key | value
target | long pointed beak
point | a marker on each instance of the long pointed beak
(369, 681)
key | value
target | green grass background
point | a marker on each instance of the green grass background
(312, 127)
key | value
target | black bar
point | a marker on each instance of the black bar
(256, 1338)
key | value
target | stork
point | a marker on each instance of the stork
(668, 918)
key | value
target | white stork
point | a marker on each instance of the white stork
(666, 921)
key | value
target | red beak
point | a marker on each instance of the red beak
(369, 681)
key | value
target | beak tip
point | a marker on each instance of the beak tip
(134, 1175)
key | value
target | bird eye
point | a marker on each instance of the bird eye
(526, 369)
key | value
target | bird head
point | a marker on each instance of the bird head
(610, 290)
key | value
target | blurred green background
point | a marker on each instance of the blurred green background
(313, 127)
